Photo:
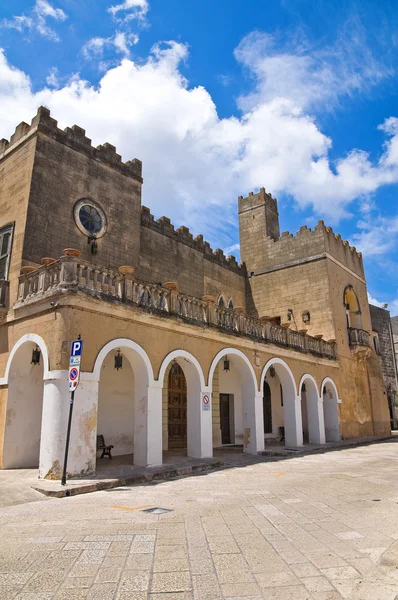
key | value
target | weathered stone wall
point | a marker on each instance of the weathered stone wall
(302, 288)
(381, 324)
(15, 177)
(55, 190)
(169, 254)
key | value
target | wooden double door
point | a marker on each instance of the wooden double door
(177, 408)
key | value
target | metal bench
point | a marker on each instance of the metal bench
(106, 450)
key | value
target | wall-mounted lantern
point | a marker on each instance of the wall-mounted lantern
(118, 360)
(306, 316)
(303, 388)
(35, 356)
(226, 364)
(272, 371)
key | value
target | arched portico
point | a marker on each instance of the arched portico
(311, 410)
(239, 383)
(129, 402)
(331, 400)
(291, 401)
(199, 438)
(25, 371)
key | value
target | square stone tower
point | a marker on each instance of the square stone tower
(258, 219)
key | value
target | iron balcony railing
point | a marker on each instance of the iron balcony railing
(71, 275)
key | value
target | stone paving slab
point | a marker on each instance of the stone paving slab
(321, 526)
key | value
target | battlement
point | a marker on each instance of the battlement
(74, 137)
(184, 236)
(311, 242)
(254, 200)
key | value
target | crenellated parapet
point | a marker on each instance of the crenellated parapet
(74, 137)
(310, 243)
(184, 236)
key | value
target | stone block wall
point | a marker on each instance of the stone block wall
(381, 324)
(169, 254)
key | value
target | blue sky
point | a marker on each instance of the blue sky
(220, 97)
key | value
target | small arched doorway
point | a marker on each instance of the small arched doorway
(177, 408)
(267, 408)
(330, 411)
(285, 406)
(311, 411)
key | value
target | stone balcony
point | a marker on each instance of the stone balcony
(73, 275)
(360, 342)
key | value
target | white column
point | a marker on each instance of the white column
(253, 424)
(82, 447)
(148, 427)
(200, 423)
(293, 422)
(316, 425)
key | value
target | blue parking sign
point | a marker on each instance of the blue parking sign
(76, 348)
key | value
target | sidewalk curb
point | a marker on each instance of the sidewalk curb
(106, 484)
(290, 453)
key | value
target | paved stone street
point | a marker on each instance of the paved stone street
(315, 527)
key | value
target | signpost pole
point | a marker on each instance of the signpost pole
(72, 398)
(74, 375)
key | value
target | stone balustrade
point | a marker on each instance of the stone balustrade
(358, 337)
(72, 275)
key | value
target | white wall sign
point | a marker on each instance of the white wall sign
(205, 401)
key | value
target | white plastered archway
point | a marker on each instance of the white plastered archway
(199, 423)
(291, 401)
(253, 419)
(331, 401)
(314, 405)
(35, 339)
(147, 400)
(25, 399)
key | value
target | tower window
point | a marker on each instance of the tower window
(5, 250)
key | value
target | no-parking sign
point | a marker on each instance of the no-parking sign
(205, 401)
(74, 364)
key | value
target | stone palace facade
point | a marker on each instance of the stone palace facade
(184, 348)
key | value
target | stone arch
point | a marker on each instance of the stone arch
(131, 388)
(331, 400)
(222, 301)
(311, 410)
(291, 402)
(251, 404)
(353, 309)
(199, 438)
(35, 339)
(24, 416)
(135, 354)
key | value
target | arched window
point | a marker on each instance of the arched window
(221, 301)
(231, 304)
(352, 308)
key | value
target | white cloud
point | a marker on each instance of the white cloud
(392, 306)
(37, 21)
(135, 9)
(377, 236)
(195, 163)
(52, 77)
(121, 42)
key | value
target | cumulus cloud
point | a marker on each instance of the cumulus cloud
(37, 20)
(196, 163)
